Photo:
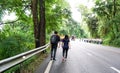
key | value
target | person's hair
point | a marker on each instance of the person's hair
(55, 32)
(66, 37)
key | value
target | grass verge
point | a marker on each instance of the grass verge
(30, 65)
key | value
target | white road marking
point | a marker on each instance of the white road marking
(89, 54)
(48, 67)
(115, 69)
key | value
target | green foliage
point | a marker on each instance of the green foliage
(88, 24)
(103, 22)
(17, 37)
(59, 18)
(19, 7)
(92, 22)
(14, 41)
(108, 15)
(56, 12)
(71, 27)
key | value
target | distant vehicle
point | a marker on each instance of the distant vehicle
(73, 38)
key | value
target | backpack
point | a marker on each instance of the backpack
(54, 39)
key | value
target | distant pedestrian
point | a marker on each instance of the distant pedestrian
(65, 46)
(54, 41)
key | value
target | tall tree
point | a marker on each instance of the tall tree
(34, 8)
(38, 11)
(42, 23)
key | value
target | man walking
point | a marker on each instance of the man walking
(54, 40)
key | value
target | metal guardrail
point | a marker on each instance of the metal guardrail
(97, 41)
(17, 59)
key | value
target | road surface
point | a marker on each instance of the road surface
(84, 58)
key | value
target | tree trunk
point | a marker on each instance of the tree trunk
(42, 23)
(39, 22)
(114, 12)
(34, 8)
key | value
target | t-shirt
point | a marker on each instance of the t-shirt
(66, 43)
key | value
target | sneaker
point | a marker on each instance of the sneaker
(51, 59)
(54, 59)
(63, 59)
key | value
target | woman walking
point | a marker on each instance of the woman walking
(65, 46)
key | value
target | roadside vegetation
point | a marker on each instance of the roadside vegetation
(103, 21)
(30, 29)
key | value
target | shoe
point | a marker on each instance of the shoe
(54, 59)
(51, 59)
(63, 59)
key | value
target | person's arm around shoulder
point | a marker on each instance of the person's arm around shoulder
(50, 41)
(59, 41)
(69, 44)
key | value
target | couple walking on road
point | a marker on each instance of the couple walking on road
(55, 43)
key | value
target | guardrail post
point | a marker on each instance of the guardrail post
(21, 67)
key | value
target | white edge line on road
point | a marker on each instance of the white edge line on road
(89, 54)
(115, 69)
(48, 67)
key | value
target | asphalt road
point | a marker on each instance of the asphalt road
(85, 58)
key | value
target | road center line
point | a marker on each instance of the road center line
(115, 69)
(48, 67)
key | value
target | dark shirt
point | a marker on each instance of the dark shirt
(66, 43)
(57, 39)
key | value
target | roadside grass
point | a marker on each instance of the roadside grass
(30, 65)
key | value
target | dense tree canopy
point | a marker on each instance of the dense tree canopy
(103, 22)
(36, 19)
(108, 19)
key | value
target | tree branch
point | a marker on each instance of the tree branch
(9, 22)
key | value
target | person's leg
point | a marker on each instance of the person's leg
(63, 52)
(66, 53)
(55, 49)
(52, 50)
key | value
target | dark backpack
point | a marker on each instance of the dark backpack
(54, 39)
